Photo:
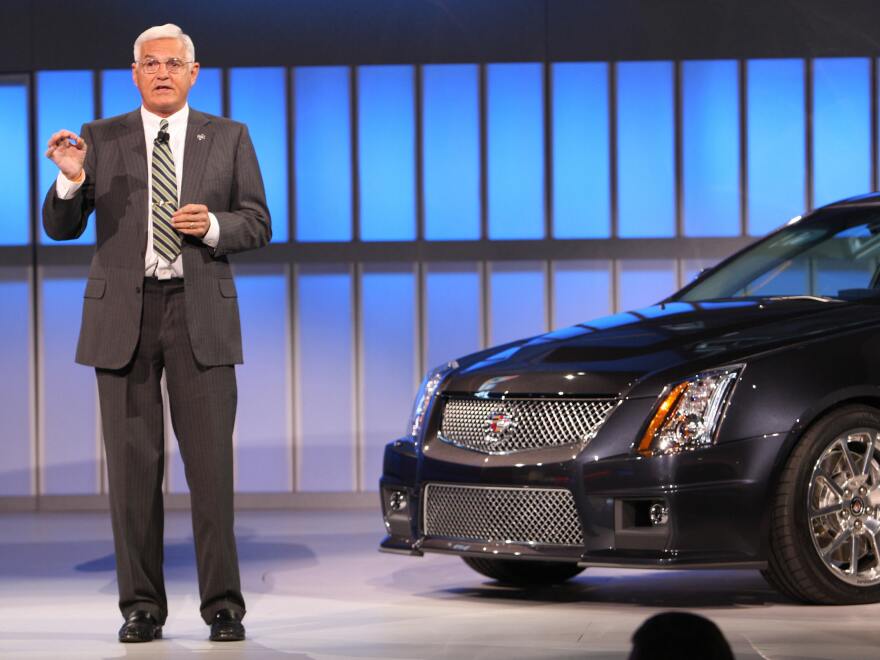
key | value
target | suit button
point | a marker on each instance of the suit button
(137, 289)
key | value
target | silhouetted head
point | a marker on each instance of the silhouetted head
(679, 636)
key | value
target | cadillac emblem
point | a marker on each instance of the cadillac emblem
(497, 424)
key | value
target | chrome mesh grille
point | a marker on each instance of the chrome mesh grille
(511, 425)
(545, 516)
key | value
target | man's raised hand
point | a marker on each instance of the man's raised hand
(68, 151)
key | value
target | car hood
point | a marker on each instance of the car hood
(649, 347)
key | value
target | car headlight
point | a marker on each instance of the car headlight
(427, 390)
(690, 413)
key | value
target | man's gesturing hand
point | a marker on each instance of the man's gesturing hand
(192, 219)
(68, 151)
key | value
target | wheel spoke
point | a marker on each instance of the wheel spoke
(826, 510)
(822, 475)
(854, 555)
(847, 457)
(838, 541)
(875, 549)
(869, 454)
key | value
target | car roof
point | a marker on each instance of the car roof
(869, 199)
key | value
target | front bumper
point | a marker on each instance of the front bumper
(716, 499)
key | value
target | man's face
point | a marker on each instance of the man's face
(164, 93)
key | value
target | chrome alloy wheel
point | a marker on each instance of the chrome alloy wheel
(843, 507)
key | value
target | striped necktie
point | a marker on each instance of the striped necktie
(166, 241)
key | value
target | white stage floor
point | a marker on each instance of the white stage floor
(317, 588)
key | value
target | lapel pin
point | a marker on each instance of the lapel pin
(200, 137)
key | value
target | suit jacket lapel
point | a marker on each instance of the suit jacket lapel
(134, 155)
(195, 156)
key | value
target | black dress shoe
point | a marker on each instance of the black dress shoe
(140, 626)
(227, 627)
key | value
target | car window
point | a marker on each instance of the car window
(834, 254)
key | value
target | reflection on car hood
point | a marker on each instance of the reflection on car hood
(607, 356)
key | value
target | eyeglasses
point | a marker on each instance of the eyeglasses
(173, 65)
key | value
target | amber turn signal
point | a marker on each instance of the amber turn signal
(660, 417)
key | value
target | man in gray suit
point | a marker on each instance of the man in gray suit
(174, 192)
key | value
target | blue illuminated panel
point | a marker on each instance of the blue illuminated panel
(515, 119)
(452, 312)
(645, 150)
(15, 164)
(581, 170)
(841, 129)
(257, 98)
(710, 142)
(517, 301)
(322, 143)
(776, 143)
(451, 151)
(263, 444)
(16, 386)
(118, 93)
(325, 392)
(645, 282)
(70, 422)
(64, 100)
(388, 318)
(582, 291)
(207, 94)
(386, 153)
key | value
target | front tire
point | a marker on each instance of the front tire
(524, 572)
(825, 516)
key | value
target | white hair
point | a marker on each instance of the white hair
(167, 31)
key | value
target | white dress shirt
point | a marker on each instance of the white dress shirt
(155, 265)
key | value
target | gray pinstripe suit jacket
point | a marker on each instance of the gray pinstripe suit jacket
(221, 171)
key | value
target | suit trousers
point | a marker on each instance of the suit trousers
(203, 402)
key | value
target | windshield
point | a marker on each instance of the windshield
(832, 254)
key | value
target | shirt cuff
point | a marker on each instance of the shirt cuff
(212, 236)
(65, 188)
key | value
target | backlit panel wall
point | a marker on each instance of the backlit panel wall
(325, 386)
(368, 163)
(207, 94)
(389, 363)
(64, 101)
(581, 163)
(518, 301)
(645, 149)
(14, 166)
(582, 291)
(710, 146)
(258, 98)
(453, 324)
(68, 397)
(451, 151)
(16, 386)
(645, 282)
(118, 92)
(322, 156)
(263, 451)
(386, 153)
(776, 143)
(515, 152)
(841, 128)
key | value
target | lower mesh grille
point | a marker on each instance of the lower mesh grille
(544, 516)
